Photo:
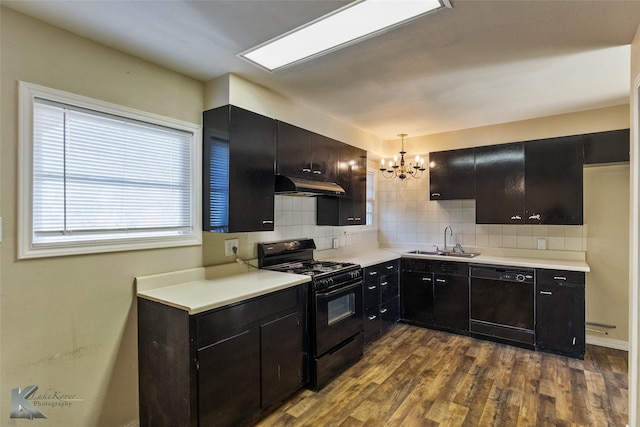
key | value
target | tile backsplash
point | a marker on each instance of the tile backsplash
(407, 216)
(295, 217)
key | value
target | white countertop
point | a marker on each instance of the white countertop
(201, 289)
(557, 260)
(553, 264)
(368, 258)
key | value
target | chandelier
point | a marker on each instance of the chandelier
(393, 169)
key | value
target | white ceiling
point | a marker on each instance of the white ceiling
(479, 63)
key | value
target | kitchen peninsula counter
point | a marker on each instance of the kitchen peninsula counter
(201, 289)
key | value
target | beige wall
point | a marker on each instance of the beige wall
(69, 324)
(606, 219)
(545, 127)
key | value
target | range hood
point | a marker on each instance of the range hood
(290, 186)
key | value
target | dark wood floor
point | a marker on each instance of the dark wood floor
(419, 377)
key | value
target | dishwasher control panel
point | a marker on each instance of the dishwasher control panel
(521, 275)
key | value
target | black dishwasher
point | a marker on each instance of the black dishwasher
(502, 304)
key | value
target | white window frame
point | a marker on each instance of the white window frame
(374, 226)
(28, 92)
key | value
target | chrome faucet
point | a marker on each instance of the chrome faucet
(445, 235)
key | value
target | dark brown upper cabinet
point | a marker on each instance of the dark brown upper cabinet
(533, 182)
(606, 147)
(500, 184)
(349, 209)
(305, 154)
(452, 174)
(238, 170)
(553, 181)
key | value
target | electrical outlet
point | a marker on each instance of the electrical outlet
(229, 244)
(542, 243)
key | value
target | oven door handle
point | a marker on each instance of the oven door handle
(339, 290)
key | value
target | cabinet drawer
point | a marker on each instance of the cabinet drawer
(382, 269)
(560, 277)
(389, 287)
(226, 322)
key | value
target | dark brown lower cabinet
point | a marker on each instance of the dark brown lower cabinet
(229, 380)
(451, 302)
(381, 298)
(560, 312)
(435, 294)
(224, 366)
(281, 359)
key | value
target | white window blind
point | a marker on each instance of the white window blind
(99, 178)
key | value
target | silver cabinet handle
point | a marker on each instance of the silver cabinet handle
(384, 283)
(358, 218)
(536, 216)
(307, 170)
(559, 278)
(371, 288)
(317, 172)
(373, 273)
(546, 293)
(426, 279)
(435, 194)
(441, 280)
(372, 317)
(350, 218)
(383, 311)
(389, 267)
(516, 217)
(267, 221)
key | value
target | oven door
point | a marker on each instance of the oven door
(338, 315)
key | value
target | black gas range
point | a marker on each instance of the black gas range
(335, 305)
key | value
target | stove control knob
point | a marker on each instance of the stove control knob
(520, 277)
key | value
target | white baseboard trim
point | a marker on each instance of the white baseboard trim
(608, 342)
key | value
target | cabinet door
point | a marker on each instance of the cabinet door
(560, 316)
(294, 151)
(282, 358)
(452, 174)
(388, 287)
(606, 147)
(451, 302)
(553, 180)
(229, 380)
(371, 289)
(500, 184)
(389, 313)
(372, 324)
(349, 209)
(238, 170)
(417, 297)
(359, 189)
(353, 178)
(325, 158)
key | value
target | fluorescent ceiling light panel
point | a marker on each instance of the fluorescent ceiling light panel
(349, 24)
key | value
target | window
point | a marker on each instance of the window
(97, 177)
(371, 197)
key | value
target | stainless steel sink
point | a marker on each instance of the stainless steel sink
(446, 253)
